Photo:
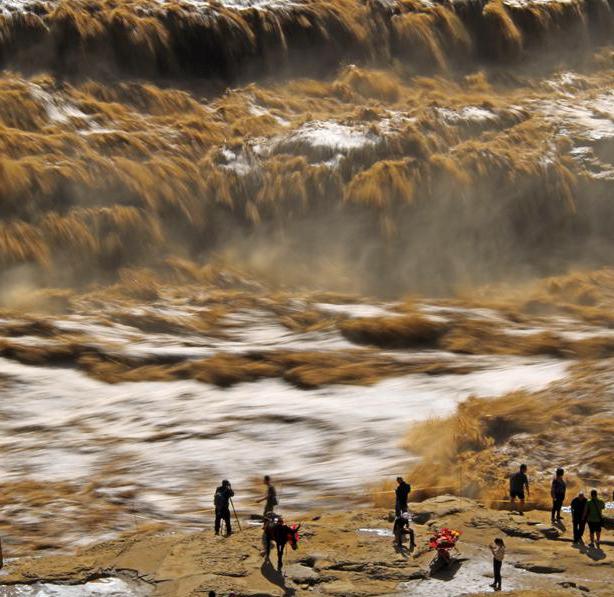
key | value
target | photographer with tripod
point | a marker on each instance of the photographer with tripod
(221, 501)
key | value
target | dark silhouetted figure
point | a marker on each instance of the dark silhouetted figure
(270, 498)
(221, 501)
(557, 491)
(518, 483)
(402, 496)
(578, 507)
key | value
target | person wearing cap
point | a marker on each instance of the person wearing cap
(401, 528)
(578, 506)
(221, 501)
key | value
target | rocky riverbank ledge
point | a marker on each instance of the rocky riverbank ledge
(340, 553)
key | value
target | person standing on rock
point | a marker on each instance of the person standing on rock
(578, 507)
(270, 497)
(557, 491)
(518, 483)
(221, 501)
(594, 518)
(497, 547)
(402, 496)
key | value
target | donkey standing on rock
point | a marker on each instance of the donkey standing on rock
(276, 530)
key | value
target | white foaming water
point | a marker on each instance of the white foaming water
(467, 114)
(591, 118)
(357, 310)
(588, 120)
(331, 135)
(173, 437)
(8, 6)
(526, 3)
(57, 108)
(237, 4)
(249, 330)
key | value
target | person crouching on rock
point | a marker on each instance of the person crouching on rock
(557, 492)
(498, 554)
(221, 501)
(401, 528)
(578, 506)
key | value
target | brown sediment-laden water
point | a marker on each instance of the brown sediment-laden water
(248, 237)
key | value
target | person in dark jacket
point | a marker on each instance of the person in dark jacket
(557, 491)
(221, 501)
(518, 483)
(402, 496)
(578, 507)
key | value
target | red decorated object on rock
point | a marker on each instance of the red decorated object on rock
(444, 540)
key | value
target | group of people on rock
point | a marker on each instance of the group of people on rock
(402, 518)
(584, 511)
(222, 501)
(402, 527)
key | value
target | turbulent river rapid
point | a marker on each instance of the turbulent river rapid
(142, 413)
(170, 442)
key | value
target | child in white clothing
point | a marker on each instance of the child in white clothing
(498, 553)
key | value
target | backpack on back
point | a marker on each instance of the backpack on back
(219, 500)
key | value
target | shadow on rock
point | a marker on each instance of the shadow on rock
(404, 551)
(594, 553)
(447, 572)
(559, 524)
(277, 578)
